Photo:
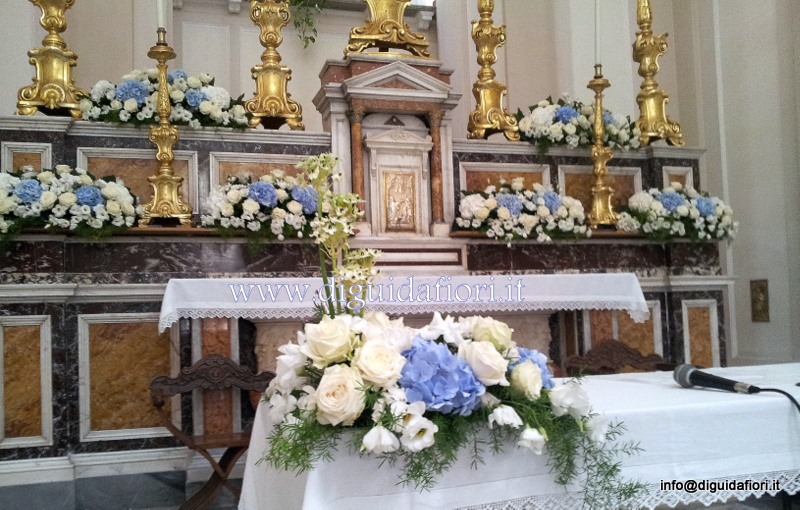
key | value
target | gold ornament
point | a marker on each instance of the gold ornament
(272, 105)
(386, 30)
(53, 91)
(166, 201)
(490, 116)
(653, 120)
(602, 212)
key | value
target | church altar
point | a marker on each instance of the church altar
(687, 435)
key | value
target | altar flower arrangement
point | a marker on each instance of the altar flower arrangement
(569, 122)
(195, 101)
(512, 212)
(678, 212)
(417, 398)
(64, 198)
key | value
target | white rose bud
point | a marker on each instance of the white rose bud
(278, 213)
(489, 365)
(110, 191)
(682, 210)
(206, 107)
(128, 209)
(67, 199)
(338, 397)
(543, 211)
(281, 194)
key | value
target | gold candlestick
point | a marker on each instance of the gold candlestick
(272, 105)
(385, 30)
(653, 120)
(53, 91)
(602, 212)
(166, 201)
(490, 116)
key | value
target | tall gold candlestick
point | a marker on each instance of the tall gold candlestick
(53, 91)
(166, 201)
(653, 120)
(489, 116)
(602, 212)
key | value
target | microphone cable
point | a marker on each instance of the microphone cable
(786, 394)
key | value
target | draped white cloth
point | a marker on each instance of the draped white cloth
(687, 434)
(295, 298)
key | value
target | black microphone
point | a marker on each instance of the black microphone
(689, 376)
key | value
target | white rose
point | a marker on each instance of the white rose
(379, 441)
(67, 199)
(226, 209)
(128, 209)
(278, 213)
(682, 210)
(86, 180)
(194, 82)
(7, 205)
(482, 213)
(570, 129)
(489, 365)
(46, 177)
(250, 206)
(379, 363)
(338, 397)
(505, 415)
(176, 95)
(328, 342)
(47, 199)
(281, 194)
(543, 211)
(206, 107)
(110, 191)
(113, 207)
(63, 169)
(490, 203)
(489, 330)
(503, 213)
(531, 438)
(233, 196)
(569, 398)
(295, 207)
(527, 378)
(131, 105)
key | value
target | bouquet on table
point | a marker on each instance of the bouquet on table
(512, 213)
(64, 198)
(195, 101)
(417, 397)
(678, 212)
(570, 122)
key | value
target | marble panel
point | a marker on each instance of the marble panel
(673, 324)
(59, 151)
(133, 257)
(270, 336)
(32, 257)
(694, 258)
(22, 392)
(654, 177)
(252, 169)
(638, 335)
(700, 336)
(296, 258)
(579, 186)
(217, 405)
(27, 159)
(135, 173)
(561, 256)
(216, 337)
(480, 180)
(123, 359)
(601, 323)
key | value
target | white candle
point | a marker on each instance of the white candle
(161, 8)
(597, 41)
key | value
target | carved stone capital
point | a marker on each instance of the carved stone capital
(356, 114)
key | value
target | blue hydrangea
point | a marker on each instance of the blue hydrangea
(510, 202)
(89, 195)
(177, 74)
(671, 200)
(307, 198)
(608, 118)
(264, 193)
(28, 191)
(539, 360)
(194, 97)
(445, 382)
(706, 206)
(552, 201)
(132, 89)
(566, 114)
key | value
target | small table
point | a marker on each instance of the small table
(687, 434)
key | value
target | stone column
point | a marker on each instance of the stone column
(356, 114)
(437, 185)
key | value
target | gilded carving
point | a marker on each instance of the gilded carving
(399, 192)
(385, 30)
(602, 212)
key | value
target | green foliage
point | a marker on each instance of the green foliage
(304, 20)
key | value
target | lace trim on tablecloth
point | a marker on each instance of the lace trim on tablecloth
(638, 312)
(761, 484)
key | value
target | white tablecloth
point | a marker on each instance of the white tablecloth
(267, 298)
(686, 434)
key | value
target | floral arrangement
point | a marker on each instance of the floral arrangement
(678, 212)
(64, 198)
(196, 102)
(417, 397)
(570, 122)
(512, 213)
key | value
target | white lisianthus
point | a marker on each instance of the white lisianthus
(505, 415)
(338, 397)
(379, 362)
(67, 199)
(569, 398)
(418, 434)
(533, 439)
(597, 428)
(527, 378)
(288, 363)
(489, 330)
(490, 366)
(295, 207)
(250, 206)
(379, 441)
(330, 341)
(281, 405)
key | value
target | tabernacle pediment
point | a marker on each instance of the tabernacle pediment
(399, 76)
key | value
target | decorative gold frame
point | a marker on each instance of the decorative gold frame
(385, 30)
(53, 91)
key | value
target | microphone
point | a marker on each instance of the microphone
(689, 376)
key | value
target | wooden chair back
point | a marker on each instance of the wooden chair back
(612, 356)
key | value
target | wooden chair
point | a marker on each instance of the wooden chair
(213, 372)
(612, 356)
